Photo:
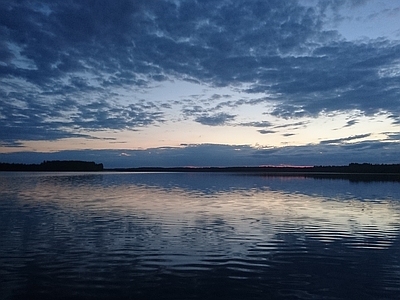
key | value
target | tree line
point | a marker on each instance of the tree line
(53, 166)
(353, 168)
(76, 165)
(360, 168)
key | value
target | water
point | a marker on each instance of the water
(197, 236)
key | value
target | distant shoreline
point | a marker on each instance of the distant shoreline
(315, 170)
(353, 170)
(331, 172)
(54, 166)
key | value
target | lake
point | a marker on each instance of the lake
(197, 236)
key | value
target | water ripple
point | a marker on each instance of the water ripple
(107, 236)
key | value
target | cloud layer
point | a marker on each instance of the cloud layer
(225, 155)
(71, 67)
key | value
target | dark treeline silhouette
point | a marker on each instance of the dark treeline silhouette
(55, 165)
(75, 165)
(359, 168)
(354, 172)
(353, 168)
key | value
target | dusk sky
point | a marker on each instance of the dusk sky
(200, 83)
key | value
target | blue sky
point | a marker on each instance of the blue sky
(200, 83)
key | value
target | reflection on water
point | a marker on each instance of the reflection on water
(197, 236)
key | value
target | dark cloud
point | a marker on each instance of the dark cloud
(264, 131)
(100, 115)
(256, 124)
(64, 62)
(225, 155)
(346, 139)
(393, 136)
(215, 119)
(296, 124)
(11, 143)
(166, 105)
(195, 110)
(396, 119)
(350, 123)
(26, 119)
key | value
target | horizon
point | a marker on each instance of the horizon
(97, 163)
(213, 83)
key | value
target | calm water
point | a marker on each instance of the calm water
(197, 236)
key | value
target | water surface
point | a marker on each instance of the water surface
(197, 236)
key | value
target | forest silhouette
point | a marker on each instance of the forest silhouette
(55, 165)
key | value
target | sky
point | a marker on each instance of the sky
(134, 83)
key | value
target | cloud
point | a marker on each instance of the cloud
(193, 110)
(346, 139)
(225, 155)
(66, 65)
(13, 144)
(264, 131)
(215, 120)
(393, 136)
(26, 119)
(351, 123)
(396, 119)
(256, 124)
(297, 124)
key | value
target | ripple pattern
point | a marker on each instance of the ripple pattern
(166, 236)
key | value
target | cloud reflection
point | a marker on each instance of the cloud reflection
(189, 234)
(208, 206)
